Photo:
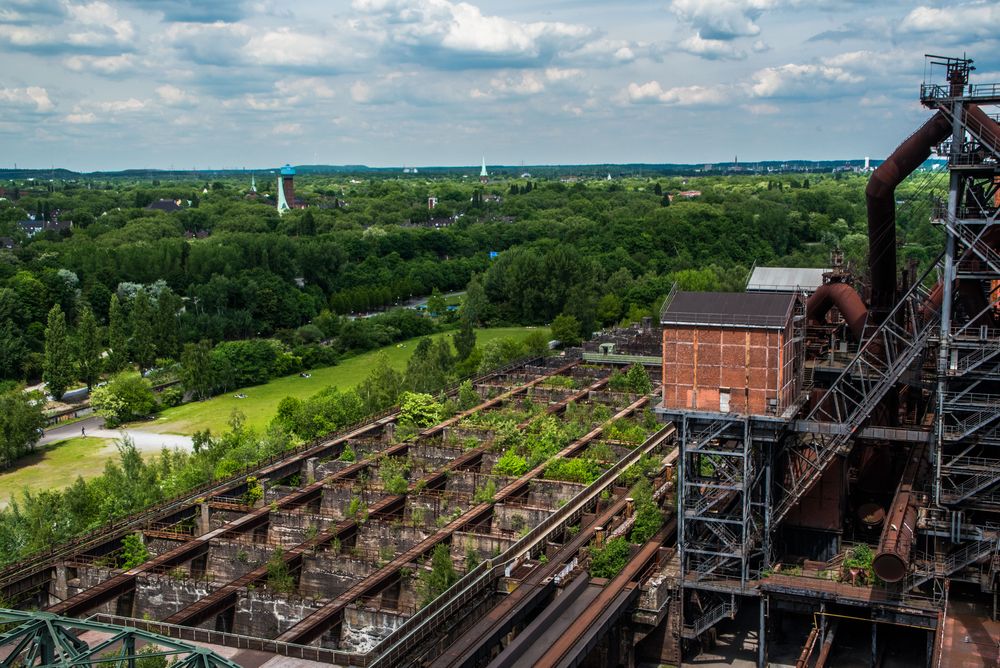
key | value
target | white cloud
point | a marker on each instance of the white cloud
(282, 129)
(102, 26)
(174, 96)
(970, 20)
(562, 74)
(712, 49)
(26, 97)
(232, 44)
(457, 35)
(106, 65)
(793, 79)
(24, 37)
(361, 92)
(81, 118)
(761, 109)
(681, 96)
(119, 106)
(305, 87)
(722, 19)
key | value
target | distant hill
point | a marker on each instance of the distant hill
(543, 171)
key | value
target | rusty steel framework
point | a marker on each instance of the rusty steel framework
(918, 389)
(966, 452)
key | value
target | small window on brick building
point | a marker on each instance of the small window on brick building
(724, 393)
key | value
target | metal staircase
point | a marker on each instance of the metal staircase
(973, 242)
(710, 618)
(971, 424)
(986, 351)
(954, 562)
(888, 353)
(972, 485)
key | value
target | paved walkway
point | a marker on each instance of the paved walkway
(145, 441)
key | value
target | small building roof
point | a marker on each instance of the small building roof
(785, 279)
(167, 205)
(729, 309)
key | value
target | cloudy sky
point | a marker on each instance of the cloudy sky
(254, 83)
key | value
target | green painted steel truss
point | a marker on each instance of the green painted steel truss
(40, 639)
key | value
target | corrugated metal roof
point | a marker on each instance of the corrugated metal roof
(729, 309)
(785, 279)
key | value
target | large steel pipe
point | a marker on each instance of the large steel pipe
(881, 200)
(892, 561)
(844, 298)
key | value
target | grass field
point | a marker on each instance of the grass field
(56, 466)
(262, 400)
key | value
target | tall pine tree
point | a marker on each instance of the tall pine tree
(88, 348)
(142, 344)
(464, 338)
(57, 371)
(167, 306)
(474, 306)
(117, 336)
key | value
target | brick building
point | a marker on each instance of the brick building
(730, 352)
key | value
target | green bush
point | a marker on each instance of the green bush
(648, 518)
(279, 578)
(608, 561)
(126, 396)
(393, 472)
(419, 410)
(171, 396)
(485, 493)
(635, 380)
(510, 464)
(574, 469)
(467, 396)
(441, 575)
(134, 551)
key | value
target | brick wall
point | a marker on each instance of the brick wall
(756, 366)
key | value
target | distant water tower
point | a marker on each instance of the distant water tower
(286, 189)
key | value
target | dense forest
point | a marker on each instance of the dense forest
(225, 266)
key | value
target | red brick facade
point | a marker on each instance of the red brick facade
(755, 366)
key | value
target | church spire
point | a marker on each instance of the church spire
(483, 176)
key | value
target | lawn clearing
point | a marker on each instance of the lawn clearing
(56, 466)
(261, 401)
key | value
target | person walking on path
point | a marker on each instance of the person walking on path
(83, 431)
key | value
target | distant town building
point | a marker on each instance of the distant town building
(32, 225)
(483, 176)
(432, 202)
(166, 205)
(6, 243)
